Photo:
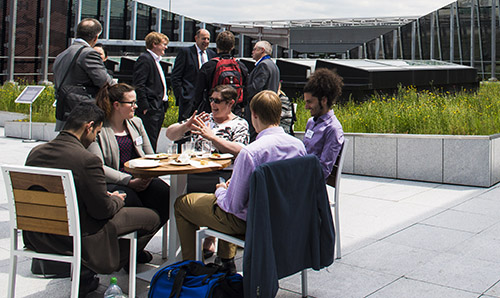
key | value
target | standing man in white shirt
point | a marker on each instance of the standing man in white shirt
(151, 86)
(187, 64)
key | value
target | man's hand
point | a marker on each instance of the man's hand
(144, 112)
(115, 193)
(139, 184)
(225, 184)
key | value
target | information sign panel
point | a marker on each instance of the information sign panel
(29, 94)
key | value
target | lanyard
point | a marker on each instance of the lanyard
(263, 58)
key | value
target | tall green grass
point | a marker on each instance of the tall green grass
(43, 111)
(421, 112)
(409, 111)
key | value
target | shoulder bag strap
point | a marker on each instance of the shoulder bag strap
(73, 61)
(178, 282)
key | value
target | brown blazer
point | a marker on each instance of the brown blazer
(100, 249)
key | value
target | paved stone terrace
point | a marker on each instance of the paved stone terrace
(399, 239)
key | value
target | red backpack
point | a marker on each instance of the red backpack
(228, 72)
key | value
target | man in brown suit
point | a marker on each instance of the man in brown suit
(102, 216)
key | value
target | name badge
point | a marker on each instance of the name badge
(138, 141)
(309, 134)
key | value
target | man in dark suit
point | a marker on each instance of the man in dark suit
(187, 64)
(225, 44)
(265, 76)
(151, 86)
(102, 216)
(88, 71)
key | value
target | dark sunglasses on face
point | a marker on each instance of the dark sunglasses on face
(215, 100)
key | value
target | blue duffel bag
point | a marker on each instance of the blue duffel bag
(194, 279)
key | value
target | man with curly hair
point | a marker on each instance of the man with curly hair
(324, 135)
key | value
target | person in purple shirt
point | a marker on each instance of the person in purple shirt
(226, 210)
(324, 135)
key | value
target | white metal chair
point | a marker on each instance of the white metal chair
(334, 181)
(307, 197)
(51, 208)
(205, 232)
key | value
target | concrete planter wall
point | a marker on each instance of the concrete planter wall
(465, 160)
(40, 131)
(45, 132)
(9, 116)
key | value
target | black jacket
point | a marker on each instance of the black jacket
(149, 87)
(204, 83)
(289, 224)
(184, 75)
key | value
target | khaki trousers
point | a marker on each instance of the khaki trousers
(196, 210)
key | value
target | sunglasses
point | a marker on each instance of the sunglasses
(215, 100)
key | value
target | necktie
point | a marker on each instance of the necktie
(202, 58)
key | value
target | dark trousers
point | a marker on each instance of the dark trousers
(153, 120)
(155, 197)
(248, 118)
(185, 108)
(102, 252)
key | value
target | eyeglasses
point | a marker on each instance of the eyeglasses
(215, 100)
(132, 103)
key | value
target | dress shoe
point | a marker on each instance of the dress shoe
(144, 257)
(87, 286)
(50, 269)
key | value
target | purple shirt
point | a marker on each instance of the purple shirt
(271, 144)
(324, 138)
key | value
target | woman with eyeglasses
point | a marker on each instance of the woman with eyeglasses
(121, 139)
(228, 134)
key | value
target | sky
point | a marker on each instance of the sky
(218, 11)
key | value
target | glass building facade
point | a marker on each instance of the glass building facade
(125, 24)
(464, 32)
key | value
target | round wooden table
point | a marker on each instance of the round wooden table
(178, 185)
(167, 169)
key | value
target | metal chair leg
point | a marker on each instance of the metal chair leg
(304, 282)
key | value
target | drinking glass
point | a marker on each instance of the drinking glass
(172, 149)
(188, 147)
(206, 146)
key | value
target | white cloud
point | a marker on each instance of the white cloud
(220, 11)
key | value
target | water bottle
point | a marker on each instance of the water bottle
(113, 290)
